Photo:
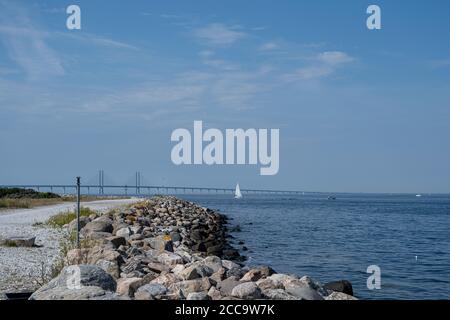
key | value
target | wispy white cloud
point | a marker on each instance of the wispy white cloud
(217, 34)
(334, 58)
(268, 46)
(321, 66)
(30, 50)
(96, 40)
(29, 44)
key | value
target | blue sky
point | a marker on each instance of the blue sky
(358, 110)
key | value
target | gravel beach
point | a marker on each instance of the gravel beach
(19, 266)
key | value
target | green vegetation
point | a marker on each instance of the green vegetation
(8, 243)
(63, 218)
(18, 193)
(27, 203)
(16, 198)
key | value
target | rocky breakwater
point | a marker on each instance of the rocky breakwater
(167, 248)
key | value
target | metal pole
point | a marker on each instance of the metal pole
(78, 212)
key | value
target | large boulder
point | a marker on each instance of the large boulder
(343, 286)
(166, 279)
(128, 286)
(226, 286)
(98, 225)
(278, 294)
(257, 273)
(198, 296)
(73, 281)
(246, 290)
(188, 286)
(161, 243)
(196, 270)
(18, 241)
(302, 291)
(170, 258)
(72, 226)
(150, 291)
(339, 296)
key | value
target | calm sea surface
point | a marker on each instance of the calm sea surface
(406, 236)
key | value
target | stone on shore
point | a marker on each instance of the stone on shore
(18, 241)
(257, 273)
(343, 286)
(77, 283)
(128, 286)
(339, 296)
(246, 290)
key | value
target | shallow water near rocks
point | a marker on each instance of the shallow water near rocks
(406, 236)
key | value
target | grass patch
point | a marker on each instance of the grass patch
(18, 193)
(28, 203)
(63, 218)
(9, 244)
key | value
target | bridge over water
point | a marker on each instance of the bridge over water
(97, 186)
(140, 190)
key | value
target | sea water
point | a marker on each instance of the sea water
(408, 237)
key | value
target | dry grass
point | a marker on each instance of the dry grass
(25, 203)
(61, 219)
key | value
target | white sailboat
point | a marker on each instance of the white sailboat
(237, 192)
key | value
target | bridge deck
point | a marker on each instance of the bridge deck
(142, 189)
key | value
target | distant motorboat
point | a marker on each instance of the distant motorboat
(237, 192)
(418, 195)
(331, 198)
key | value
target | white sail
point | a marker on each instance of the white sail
(237, 193)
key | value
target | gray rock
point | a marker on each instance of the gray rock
(235, 272)
(227, 286)
(128, 286)
(117, 241)
(303, 292)
(74, 278)
(213, 262)
(230, 264)
(214, 293)
(196, 270)
(160, 243)
(98, 225)
(124, 232)
(198, 296)
(166, 279)
(268, 283)
(170, 258)
(339, 296)
(72, 227)
(188, 286)
(158, 267)
(278, 294)
(18, 241)
(257, 273)
(343, 286)
(175, 236)
(246, 290)
(153, 289)
(84, 293)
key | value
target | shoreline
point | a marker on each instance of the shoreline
(167, 248)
